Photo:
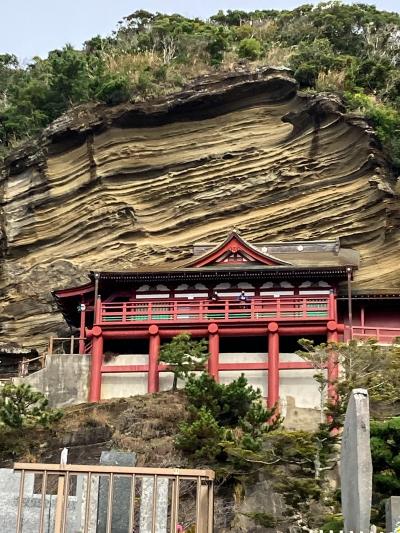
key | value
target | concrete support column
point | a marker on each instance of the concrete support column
(213, 346)
(273, 364)
(154, 351)
(96, 363)
(333, 367)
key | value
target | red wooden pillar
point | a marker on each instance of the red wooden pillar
(96, 363)
(273, 364)
(213, 346)
(332, 309)
(154, 350)
(333, 367)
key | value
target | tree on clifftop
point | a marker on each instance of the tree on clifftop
(184, 355)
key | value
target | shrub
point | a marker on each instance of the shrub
(306, 74)
(371, 73)
(144, 83)
(114, 89)
(228, 421)
(250, 48)
(21, 406)
(202, 437)
(229, 404)
(316, 56)
(384, 118)
(217, 45)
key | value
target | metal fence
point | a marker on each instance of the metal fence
(104, 499)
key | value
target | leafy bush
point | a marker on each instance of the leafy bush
(227, 403)
(306, 74)
(250, 48)
(371, 73)
(366, 365)
(145, 82)
(21, 406)
(384, 118)
(375, 368)
(114, 89)
(216, 46)
(332, 523)
(385, 451)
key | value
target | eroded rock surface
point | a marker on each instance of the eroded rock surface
(137, 184)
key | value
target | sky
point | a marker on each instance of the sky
(34, 27)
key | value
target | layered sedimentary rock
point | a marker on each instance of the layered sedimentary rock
(137, 184)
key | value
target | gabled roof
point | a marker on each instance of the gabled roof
(234, 251)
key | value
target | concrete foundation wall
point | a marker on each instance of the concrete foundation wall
(299, 392)
(64, 380)
(120, 384)
(295, 383)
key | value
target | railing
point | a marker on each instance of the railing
(24, 365)
(381, 334)
(69, 345)
(108, 498)
(257, 309)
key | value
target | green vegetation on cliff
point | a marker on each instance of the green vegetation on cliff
(353, 50)
(365, 365)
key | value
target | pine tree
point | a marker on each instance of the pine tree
(21, 406)
(228, 422)
(202, 437)
(184, 355)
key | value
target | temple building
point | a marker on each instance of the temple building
(253, 301)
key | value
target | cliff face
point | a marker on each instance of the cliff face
(107, 188)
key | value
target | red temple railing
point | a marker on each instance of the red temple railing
(256, 309)
(381, 334)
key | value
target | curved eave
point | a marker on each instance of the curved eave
(73, 291)
(67, 301)
(222, 274)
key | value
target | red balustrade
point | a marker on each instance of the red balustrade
(228, 310)
(381, 334)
